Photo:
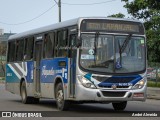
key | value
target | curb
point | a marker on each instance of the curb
(152, 97)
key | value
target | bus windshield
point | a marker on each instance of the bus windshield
(112, 53)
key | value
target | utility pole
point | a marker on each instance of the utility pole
(59, 5)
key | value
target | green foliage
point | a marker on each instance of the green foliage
(119, 15)
(149, 12)
(153, 44)
(142, 8)
(153, 84)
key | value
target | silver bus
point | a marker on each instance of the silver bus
(84, 60)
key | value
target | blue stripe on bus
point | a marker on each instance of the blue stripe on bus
(136, 78)
(88, 76)
(11, 77)
(50, 69)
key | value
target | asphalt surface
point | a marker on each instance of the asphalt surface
(153, 93)
(12, 102)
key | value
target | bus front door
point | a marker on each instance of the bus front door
(72, 56)
(38, 52)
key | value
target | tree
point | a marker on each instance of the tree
(119, 15)
(149, 12)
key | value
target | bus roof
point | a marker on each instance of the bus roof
(62, 24)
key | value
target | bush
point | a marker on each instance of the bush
(153, 84)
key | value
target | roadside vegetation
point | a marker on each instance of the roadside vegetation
(153, 84)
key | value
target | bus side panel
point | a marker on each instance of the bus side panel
(14, 74)
(12, 79)
(50, 70)
(28, 71)
(29, 75)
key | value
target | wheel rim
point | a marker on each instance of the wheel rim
(60, 97)
(23, 93)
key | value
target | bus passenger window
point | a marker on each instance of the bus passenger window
(48, 45)
(62, 43)
(11, 51)
(19, 50)
(29, 48)
(72, 44)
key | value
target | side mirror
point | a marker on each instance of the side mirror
(79, 42)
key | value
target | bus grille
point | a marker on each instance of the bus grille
(111, 86)
(114, 79)
(113, 94)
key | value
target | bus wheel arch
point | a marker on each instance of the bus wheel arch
(62, 104)
(23, 92)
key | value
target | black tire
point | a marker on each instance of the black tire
(62, 104)
(35, 100)
(24, 97)
(120, 105)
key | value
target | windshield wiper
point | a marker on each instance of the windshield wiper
(125, 43)
(95, 46)
(123, 47)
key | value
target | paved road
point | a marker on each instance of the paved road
(11, 102)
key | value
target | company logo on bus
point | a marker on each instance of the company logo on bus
(114, 86)
(47, 72)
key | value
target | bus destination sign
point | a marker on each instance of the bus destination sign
(113, 27)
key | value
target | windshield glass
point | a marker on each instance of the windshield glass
(112, 54)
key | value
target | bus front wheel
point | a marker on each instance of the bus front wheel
(59, 94)
(120, 105)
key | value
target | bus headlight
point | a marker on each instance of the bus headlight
(85, 82)
(139, 84)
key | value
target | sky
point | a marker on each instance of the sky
(22, 15)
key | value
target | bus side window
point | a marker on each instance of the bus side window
(48, 45)
(62, 43)
(72, 44)
(55, 45)
(19, 50)
(11, 51)
(28, 52)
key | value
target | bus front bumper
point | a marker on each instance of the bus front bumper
(110, 95)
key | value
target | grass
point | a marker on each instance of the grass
(153, 84)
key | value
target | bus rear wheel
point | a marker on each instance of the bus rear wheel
(26, 99)
(59, 94)
(120, 105)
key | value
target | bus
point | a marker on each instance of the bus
(83, 60)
